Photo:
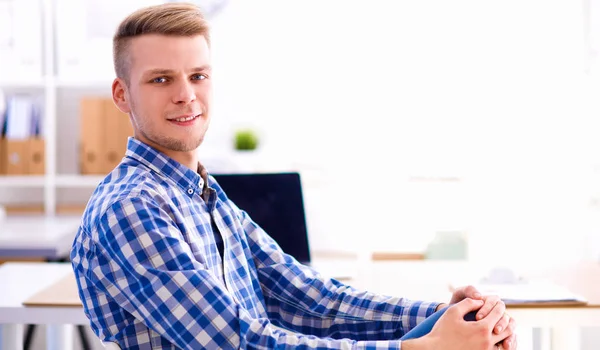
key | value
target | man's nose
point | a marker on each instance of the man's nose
(185, 93)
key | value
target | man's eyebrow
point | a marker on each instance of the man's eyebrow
(203, 68)
(160, 71)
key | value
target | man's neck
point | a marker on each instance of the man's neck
(188, 159)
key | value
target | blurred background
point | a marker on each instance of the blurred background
(413, 117)
(410, 122)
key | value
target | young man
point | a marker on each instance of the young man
(164, 260)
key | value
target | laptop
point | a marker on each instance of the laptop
(275, 202)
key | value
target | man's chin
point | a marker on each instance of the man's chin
(184, 147)
(176, 145)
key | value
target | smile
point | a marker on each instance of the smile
(186, 119)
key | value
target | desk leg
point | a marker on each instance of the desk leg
(12, 336)
(545, 338)
(59, 337)
(525, 338)
(566, 338)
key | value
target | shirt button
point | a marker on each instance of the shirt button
(190, 191)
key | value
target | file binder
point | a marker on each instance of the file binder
(3, 156)
(16, 157)
(36, 155)
(118, 129)
(104, 133)
(92, 136)
(22, 157)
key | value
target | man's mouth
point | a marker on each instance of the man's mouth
(185, 118)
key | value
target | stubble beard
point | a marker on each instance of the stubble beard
(164, 141)
(171, 143)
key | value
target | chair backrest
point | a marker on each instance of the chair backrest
(108, 345)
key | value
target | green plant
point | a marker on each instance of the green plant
(246, 140)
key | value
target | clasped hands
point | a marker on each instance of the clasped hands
(493, 327)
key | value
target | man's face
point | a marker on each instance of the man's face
(170, 91)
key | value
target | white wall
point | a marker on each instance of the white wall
(413, 117)
(377, 93)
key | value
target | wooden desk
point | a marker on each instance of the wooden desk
(62, 293)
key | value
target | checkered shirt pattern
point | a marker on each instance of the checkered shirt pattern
(150, 275)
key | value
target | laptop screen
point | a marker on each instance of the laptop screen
(274, 201)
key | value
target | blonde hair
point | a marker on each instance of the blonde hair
(172, 19)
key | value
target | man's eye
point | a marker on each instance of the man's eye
(198, 77)
(159, 80)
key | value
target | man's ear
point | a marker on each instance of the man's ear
(119, 95)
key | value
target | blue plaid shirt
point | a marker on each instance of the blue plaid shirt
(150, 274)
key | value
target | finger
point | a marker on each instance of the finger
(507, 336)
(490, 303)
(465, 292)
(457, 295)
(465, 306)
(513, 343)
(502, 324)
(495, 315)
(472, 292)
(510, 343)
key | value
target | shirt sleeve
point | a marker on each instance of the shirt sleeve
(143, 263)
(299, 298)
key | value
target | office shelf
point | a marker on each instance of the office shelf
(67, 70)
(23, 84)
(22, 181)
(79, 181)
(48, 84)
(83, 84)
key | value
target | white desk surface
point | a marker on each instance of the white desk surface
(22, 280)
(428, 280)
(33, 236)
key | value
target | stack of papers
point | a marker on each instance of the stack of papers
(530, 292)
(22, 119)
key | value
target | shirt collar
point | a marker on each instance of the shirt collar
(166, 166)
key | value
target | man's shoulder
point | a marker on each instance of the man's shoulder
(123, 184)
